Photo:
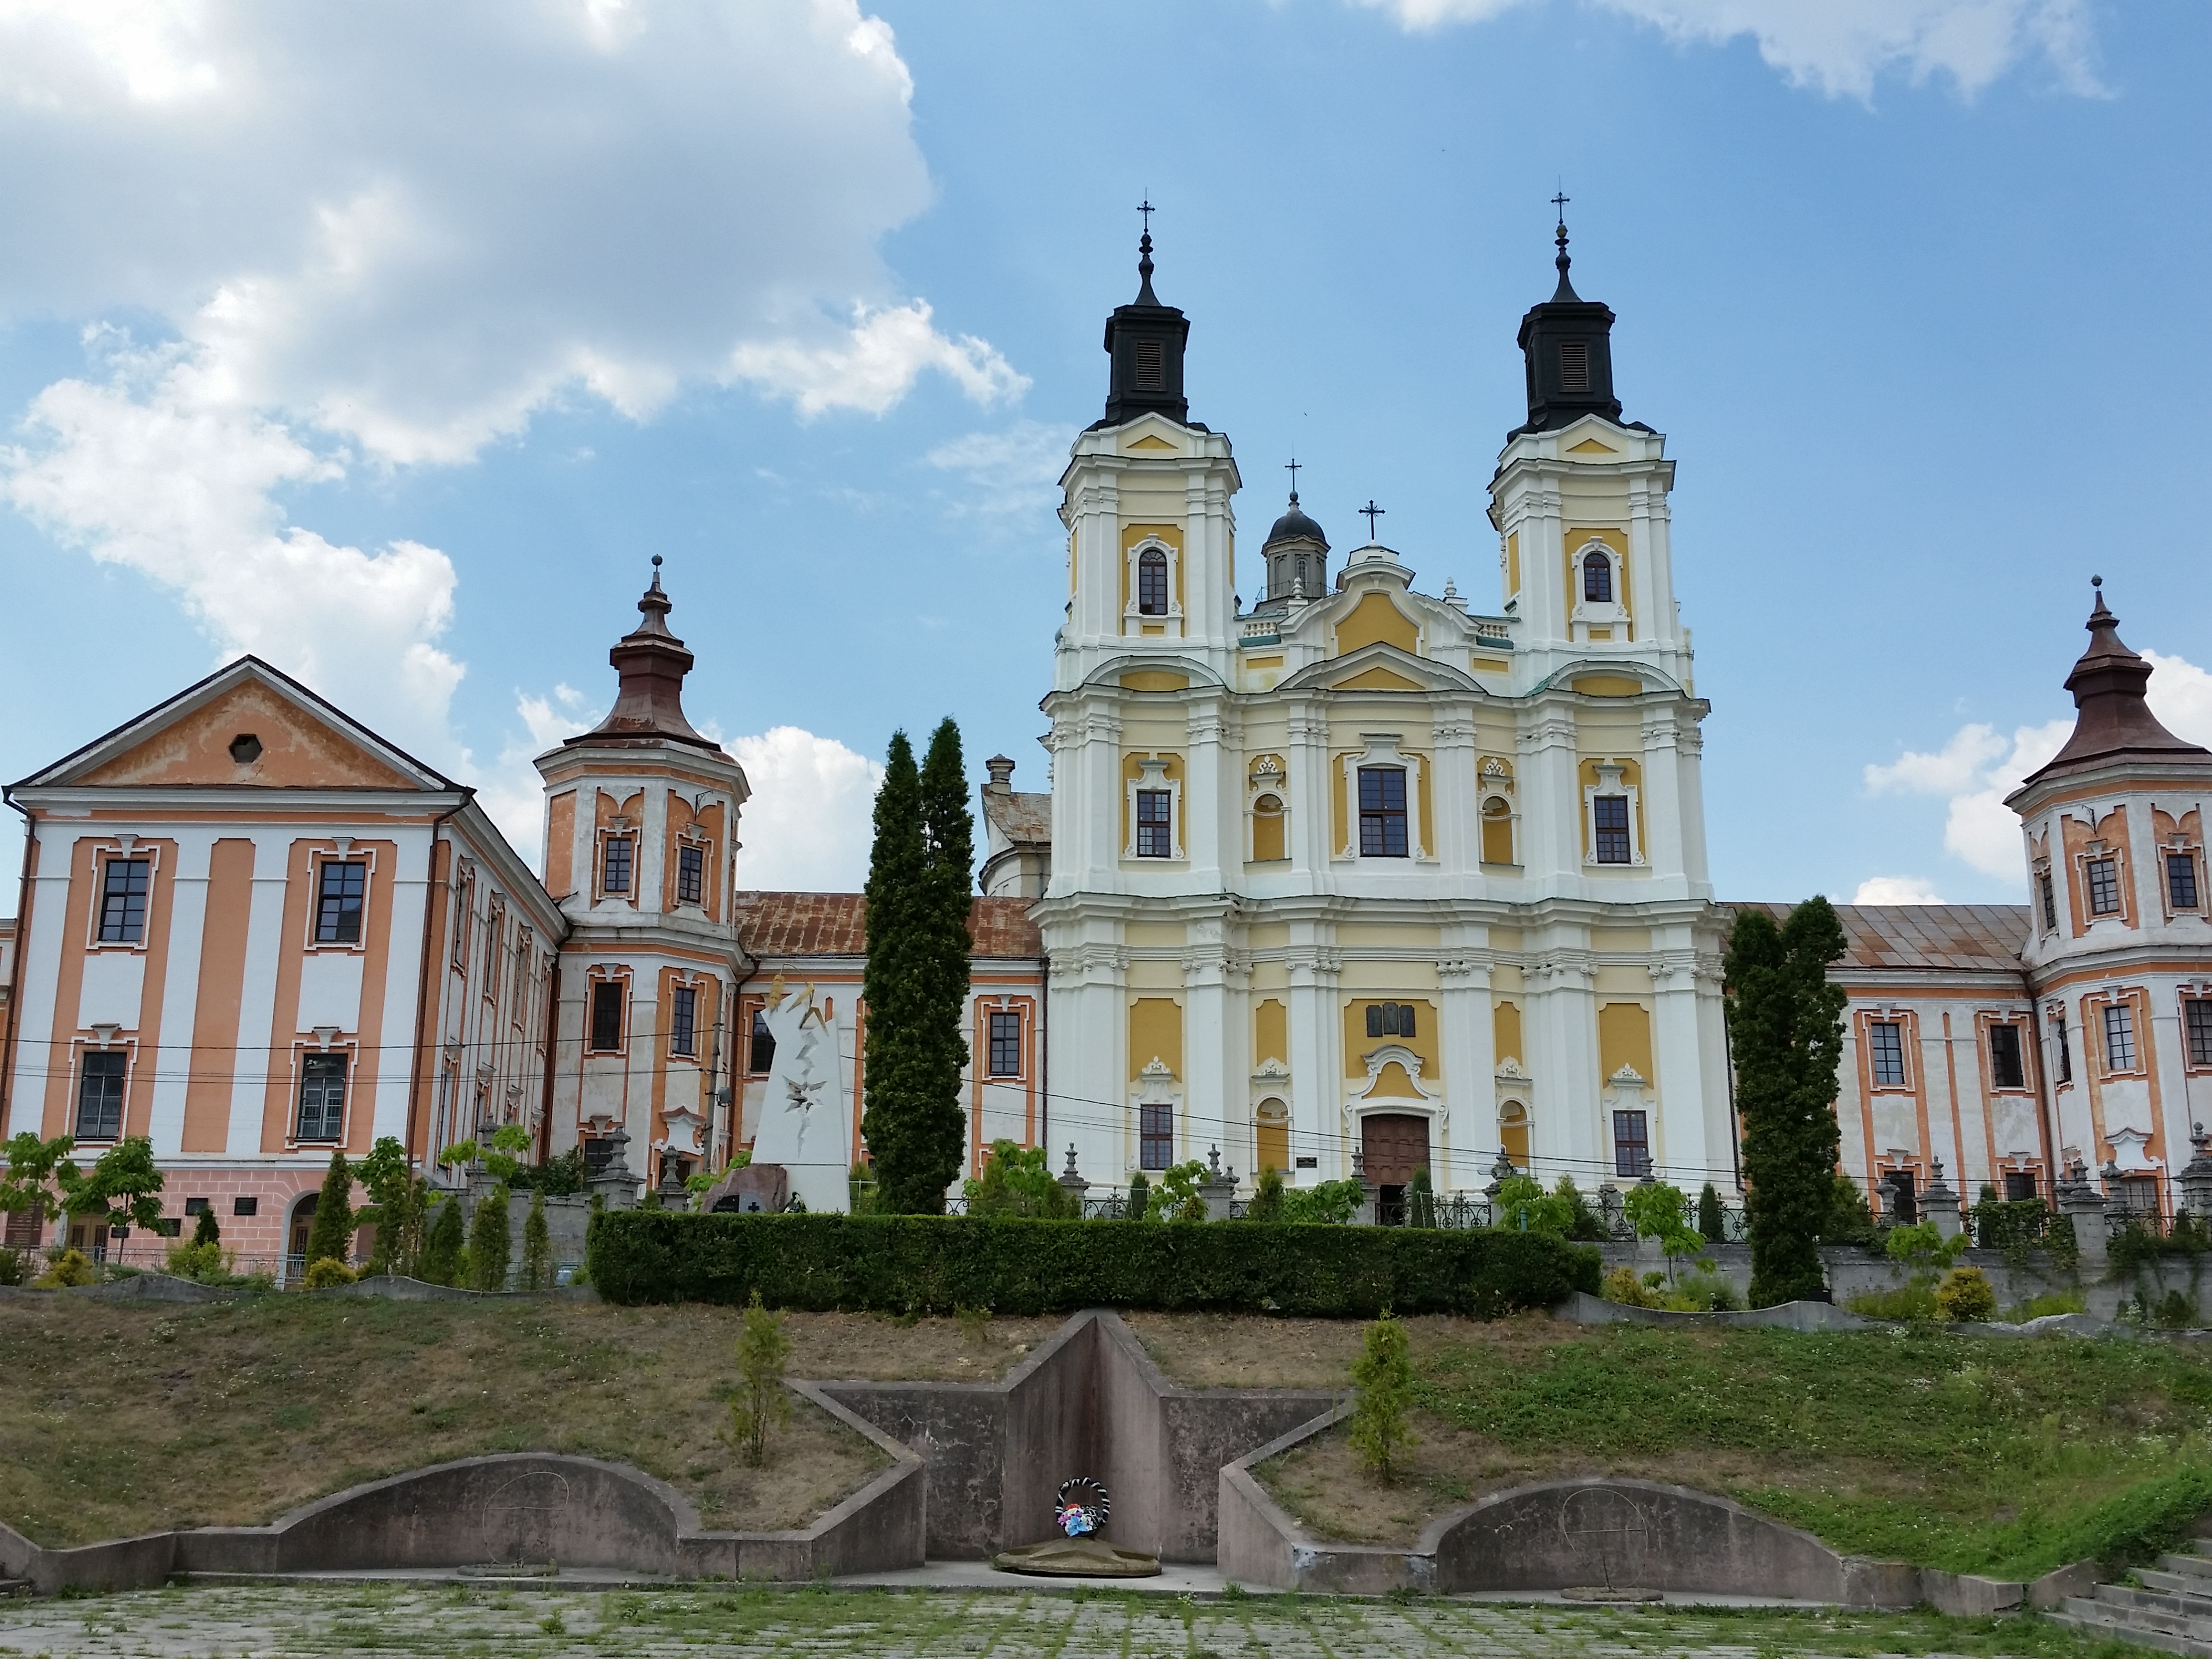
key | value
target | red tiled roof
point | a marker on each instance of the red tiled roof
(837, 925)
(1982, 938)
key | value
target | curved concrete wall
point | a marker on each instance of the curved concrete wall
(527, 1507)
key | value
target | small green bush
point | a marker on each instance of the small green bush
(330, 1233)
(1383, 1375)
(1624, 1285)
(762, 1400)
(1967, 1296)
(1711, 1222)
(1138, 1204)
(1267, 1203)
(11, 1267)
(536, 1246)
(442, 1253)
(1017, 1181)
(1019, 1266)
(1332, 1203)
(70, 1268)
(207, 1229)
(327, 1272)
(1421, 1200)
(2049, 1303)
(208, 1263)
(487, 1245)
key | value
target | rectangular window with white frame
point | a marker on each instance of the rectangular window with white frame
(2007, 1058)
(1155, 824)
(2119, 1022)
(2102, 878)
(322, 1098)
(608, 998)
(2196, 1031)
(1382, 812)
(1886, 1053)
(1005, 1042)
(690, 875)
(101, 1073)
(341, 900)
(2182, 891)
(127, 883)
(683, 1021)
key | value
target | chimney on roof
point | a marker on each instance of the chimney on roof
(1002, 775)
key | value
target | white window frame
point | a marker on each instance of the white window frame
(1586, 611)
(1613, 779)
(1152, 774)
(1134, 621)
(1382, 750)
(103, 853)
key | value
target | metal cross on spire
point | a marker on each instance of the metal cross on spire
(1560, 202)
(1146, 207)
(1373, 512)
(1294, 469)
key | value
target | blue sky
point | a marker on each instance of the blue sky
(392, 347)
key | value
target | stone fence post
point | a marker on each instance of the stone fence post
(2086, 1206)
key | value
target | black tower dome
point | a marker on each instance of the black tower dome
(1566, 343)
(1296, 555)
(1146, 339)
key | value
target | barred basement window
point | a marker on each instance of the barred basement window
(1151, 365)
(683, 1021)
(1005, 1045)
(1574, 365)
(2104, 876)
(690, 875)
(338, 903)
(2119, 1038)
(1886, 1047)
(1389, 1019)
(2018, 1186)
(1609, 828)
(2007, 1065)
(2181, 880)
(99, 1096)
(2050, 902)
(246, 1204)
(760, 1046)
(322, 1096)
(607, 1016)
(123, 900)
(1155, 1137)
(2197, 1022)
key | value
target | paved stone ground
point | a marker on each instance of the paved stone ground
(217, 1622)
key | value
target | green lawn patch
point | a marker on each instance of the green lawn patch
(1975, 1455)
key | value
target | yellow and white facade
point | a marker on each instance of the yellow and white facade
(1363, 873)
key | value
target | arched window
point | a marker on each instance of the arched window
(1597, 577)
(1497, 830)
(1152, 583)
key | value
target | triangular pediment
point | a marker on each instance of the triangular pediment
(199, 738)
(1380, 667)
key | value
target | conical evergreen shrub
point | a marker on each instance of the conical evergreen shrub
(536, 1247)
(329, 1237)
(488, 1247)
(441, 1262)
(206, 1230)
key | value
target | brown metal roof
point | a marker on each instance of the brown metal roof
(1981, 939)
(837, 925)
(1023, 819)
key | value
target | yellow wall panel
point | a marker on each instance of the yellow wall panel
(1505, 1029)
(1155, 1033)
(1624, 1038)
(1375, 618)
(1271, 1032)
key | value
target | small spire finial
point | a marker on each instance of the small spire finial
(2096, 582)
(1373, 512)
(1566, 288)
(1145, 253)
(1293, 469)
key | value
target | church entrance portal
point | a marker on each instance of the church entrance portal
(1392, 1145)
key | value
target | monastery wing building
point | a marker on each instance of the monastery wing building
(1358, 881)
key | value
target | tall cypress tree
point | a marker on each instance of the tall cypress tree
(1786, 1031)
(948, 831)
(892, 988)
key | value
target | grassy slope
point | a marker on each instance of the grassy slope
(122, 1419)
(1975, 1454)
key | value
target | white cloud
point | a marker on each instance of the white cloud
(1896, 889)
(1977, 769)
(809, 823)
(1842, 47)
(384, 236)
(1007, 472)
(153, 468)
(875, 363)
(2180, 694)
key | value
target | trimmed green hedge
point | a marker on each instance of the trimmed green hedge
(934, 1264)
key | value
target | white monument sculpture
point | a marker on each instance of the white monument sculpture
(802, 1119)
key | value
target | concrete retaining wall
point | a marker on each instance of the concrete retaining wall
(522, 1507)
(1089, 1401)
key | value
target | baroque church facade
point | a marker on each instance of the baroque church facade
(1366, 878)
(1360, 880)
